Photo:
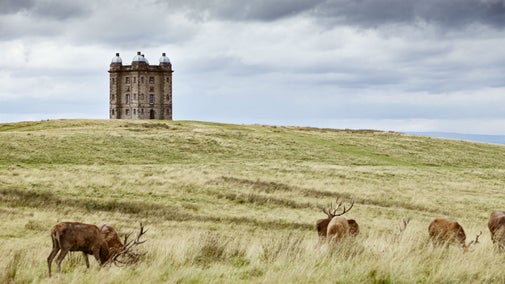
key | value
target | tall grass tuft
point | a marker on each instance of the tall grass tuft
(11, 270)
(282, 246)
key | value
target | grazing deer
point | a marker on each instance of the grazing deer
(103, 243)
(496, 225)
(75, 236)
(445, 232)
(335, 227)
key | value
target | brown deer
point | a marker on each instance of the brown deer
(445, 232)
(335, 227)
(496, 225)
(103, 243)
(75, 236)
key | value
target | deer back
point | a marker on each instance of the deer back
(496, 225)
(338, 228)
(76, 236)
(442, 230)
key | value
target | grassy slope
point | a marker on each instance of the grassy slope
(250, 195)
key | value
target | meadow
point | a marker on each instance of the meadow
(230, 203)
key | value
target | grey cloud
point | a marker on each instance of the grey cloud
(256, 10)
(14, 6)
(38, 19)
(53, 9)
(448, 13)
(363, 13)
(60, 9)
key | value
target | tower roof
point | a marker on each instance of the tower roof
(117, 59)
(164, 58)
(139, 58)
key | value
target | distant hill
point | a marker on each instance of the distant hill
(493, 139)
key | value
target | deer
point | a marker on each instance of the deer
(445, 232)
(496, 225)
(103, 243)
(336, 227)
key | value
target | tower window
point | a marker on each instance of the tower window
(127, 80)
(142, 79)
(151, 80)
(127, 99)
(151, 89)
(151, 99)
(134, 79)
(168, 80)
(127, 111)
(112, 80)
(127, 88)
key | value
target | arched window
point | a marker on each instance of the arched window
(127, 98)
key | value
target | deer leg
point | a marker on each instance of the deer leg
(60, 258)
(51, 257)
(96, 254)
(85, 259)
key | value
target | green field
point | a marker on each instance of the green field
(230, 203)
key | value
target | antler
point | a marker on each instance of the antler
(126, 255)
(332, 212)
(403, 225)
(476, 241)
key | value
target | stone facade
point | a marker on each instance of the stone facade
(140, 90)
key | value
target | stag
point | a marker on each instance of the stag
(445, 232)
(75, 236)
(496, 225)
(103, 243)
(335, 227)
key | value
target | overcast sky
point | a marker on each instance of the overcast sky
(400, 65)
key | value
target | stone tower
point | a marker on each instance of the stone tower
(140, 90)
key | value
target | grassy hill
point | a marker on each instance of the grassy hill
(238, 203)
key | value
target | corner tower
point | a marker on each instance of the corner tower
(140, 90)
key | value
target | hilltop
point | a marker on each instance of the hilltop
(244, 184)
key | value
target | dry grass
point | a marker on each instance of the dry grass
(238, 203)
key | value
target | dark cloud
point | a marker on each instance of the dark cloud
(60, 9)
(52, 9)
(14, 6)
(362, 13)
(447, 13)
(255, 10)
